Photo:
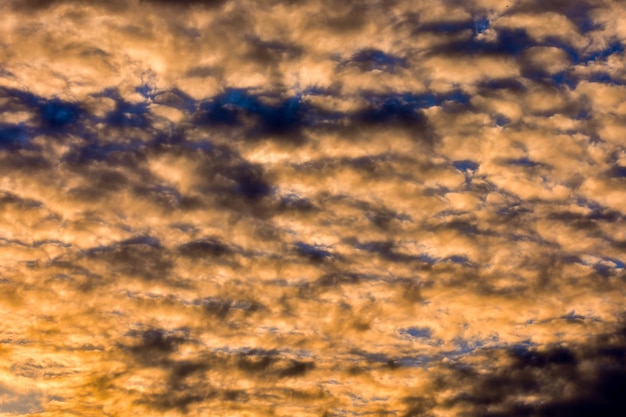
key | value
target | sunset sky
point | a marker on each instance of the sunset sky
(313, 208)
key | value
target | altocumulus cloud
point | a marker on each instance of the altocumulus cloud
(312, 209)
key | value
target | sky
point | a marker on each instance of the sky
(313, 208)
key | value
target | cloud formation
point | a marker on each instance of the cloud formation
(307, 209)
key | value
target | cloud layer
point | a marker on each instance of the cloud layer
(311, 209)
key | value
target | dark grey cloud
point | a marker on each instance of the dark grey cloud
(569, 381)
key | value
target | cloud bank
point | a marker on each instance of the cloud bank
(311, 209)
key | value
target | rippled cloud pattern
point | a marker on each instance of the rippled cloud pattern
(313, 208)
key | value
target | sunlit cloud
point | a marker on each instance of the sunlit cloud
(308, 208)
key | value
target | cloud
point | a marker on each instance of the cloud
(573, 380)
(304, 208)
